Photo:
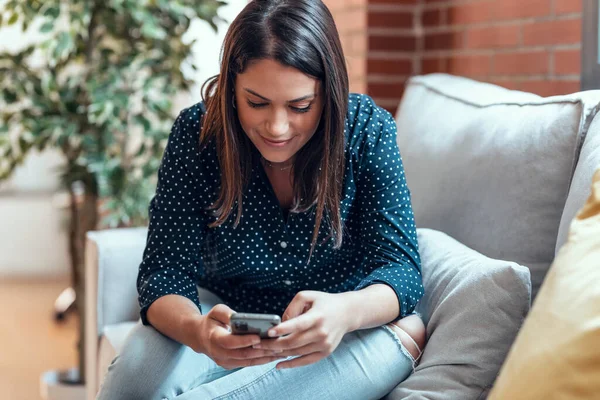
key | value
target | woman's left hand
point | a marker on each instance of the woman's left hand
(315, 323)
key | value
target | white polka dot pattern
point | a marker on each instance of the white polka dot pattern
(260, 265)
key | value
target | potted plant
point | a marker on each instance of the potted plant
(102, 97)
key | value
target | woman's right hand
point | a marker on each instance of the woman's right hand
(214, 338)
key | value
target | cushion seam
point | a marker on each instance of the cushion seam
(452, 97)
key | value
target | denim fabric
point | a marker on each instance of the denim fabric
(367, 364)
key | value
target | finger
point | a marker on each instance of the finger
(228, 340)
(249, 352)
(304, 350)
(221, 313)
(297, 306)
(302, 360)
(300, 323)
(292, 341)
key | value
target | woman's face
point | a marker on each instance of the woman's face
(276, 103)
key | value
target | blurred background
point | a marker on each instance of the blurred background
(90, 90)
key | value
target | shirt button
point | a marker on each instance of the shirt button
(287, 282)
(283, 244)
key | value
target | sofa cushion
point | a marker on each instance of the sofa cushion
(111, 343)
(473, 308)
(556, 354)
(589, 161)
(489, 166)
(113, 336)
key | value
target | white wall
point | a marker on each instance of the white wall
(33, 219)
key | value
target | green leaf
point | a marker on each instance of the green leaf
(47, 27)
(13, 18)
(140, 119)
(65, 43)
(150, 30)
(52, 12)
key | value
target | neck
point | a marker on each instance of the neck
(278, 166)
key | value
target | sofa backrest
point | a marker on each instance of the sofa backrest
(498, 170)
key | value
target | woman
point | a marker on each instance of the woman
(280, 193)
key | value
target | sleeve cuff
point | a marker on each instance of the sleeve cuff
(153, 289)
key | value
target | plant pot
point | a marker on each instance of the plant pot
(61, 385)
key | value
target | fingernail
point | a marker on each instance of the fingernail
(272, 333)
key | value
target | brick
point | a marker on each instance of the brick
(469, 13)
(385, 90)
(514, 9)
(432, 65)
(390, 105)
(431, 17)
(522, 63)
(568, 6)
(567, 31)
(567, 62)
(505, 83)
(470, 65)
(547, 88)
(493, 37)
(389, 67)
(444, 41)
(392, 43)
(390, 19)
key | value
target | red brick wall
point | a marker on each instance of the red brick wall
(351, 21)
(530, 45)
(393, 48)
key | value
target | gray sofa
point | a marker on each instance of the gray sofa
(493, 172)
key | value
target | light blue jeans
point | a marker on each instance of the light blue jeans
(367, 364)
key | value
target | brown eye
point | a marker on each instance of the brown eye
(256, 105)
(302, 109)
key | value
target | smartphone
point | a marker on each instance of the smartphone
(247, 323)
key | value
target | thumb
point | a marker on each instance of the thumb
(296, 307)
(222, 313)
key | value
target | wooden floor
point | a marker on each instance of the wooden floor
(30, 341)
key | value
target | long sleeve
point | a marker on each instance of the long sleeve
(387, 233)
(171, 260)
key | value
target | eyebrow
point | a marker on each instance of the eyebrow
(291, 101)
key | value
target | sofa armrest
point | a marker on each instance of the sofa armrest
(112, 259)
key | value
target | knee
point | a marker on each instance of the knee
(414, 327)
(141, 369)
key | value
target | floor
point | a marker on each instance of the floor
(31, 342)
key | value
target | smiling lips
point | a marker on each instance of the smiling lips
(277, 141)
(276, 144)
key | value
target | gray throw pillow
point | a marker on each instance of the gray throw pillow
(473, 308)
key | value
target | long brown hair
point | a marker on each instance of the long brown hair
(300, 34)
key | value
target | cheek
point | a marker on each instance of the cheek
(311, 124)
(248, 121)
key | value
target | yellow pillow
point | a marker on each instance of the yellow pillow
(557, 352)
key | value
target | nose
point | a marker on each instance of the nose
(278, 125)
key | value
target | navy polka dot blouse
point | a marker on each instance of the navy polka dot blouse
(259, 266)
